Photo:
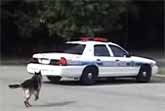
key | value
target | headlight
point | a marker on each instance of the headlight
(154, 64)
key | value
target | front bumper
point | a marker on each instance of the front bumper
(62, 71)
(155, 69)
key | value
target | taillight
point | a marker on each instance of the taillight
(62, 61)
(34, 60)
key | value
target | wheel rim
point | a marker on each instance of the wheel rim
(144, 73)
(90, 76)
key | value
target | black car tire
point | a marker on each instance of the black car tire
(89, 76)
(144, 74)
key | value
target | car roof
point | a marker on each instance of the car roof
(91, 42)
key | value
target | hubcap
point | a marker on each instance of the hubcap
(144, 74)
(90, 75)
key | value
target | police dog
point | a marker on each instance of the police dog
(30, 87)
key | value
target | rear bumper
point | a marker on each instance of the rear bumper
(62, 71)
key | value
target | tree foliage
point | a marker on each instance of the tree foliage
(69, 18)
(66, 18)
(19, 14)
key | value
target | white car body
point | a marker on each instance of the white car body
(108, 66)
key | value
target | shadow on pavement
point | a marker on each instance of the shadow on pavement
(59, 104)
(109, 81)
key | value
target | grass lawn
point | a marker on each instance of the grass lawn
(162, 70)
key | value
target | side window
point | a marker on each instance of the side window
(101, 50)
(117, 51)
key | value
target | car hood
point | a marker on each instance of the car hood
(55, 55)
(143, 60)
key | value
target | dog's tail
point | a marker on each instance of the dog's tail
(14, 85)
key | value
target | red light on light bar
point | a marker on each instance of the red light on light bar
(99, 39)
(85, 38)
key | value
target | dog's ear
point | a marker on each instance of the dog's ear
(38, 73)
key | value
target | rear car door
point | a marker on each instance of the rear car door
(103, 59)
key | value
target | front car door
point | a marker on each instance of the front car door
(123, 64)
(105, 61)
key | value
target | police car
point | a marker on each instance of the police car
(89, 59)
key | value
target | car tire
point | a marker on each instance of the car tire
(89, 76)
(54, 79)
(144, 74)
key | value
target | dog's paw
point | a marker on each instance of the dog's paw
(27, 104)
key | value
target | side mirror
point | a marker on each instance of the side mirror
(128, 55)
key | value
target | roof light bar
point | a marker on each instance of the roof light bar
(99, 39)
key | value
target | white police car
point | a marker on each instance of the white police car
(89, 59)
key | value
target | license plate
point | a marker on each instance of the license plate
(44, 61)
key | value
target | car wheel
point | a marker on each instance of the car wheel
(144, 74)
(54, 79)
(89, 76)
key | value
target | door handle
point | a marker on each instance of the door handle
(98, 61)
(117, 60)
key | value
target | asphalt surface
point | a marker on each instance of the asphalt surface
(118, 95)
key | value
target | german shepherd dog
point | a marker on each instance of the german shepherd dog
(30, 87)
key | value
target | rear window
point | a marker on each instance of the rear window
(71, 48)
(74, 48)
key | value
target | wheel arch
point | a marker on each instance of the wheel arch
(146, 65)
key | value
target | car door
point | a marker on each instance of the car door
(123, 64)
(103, 59)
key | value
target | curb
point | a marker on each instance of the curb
(160, 75)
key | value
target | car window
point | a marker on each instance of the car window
(74, 48)
(117, 51)
(101, 50)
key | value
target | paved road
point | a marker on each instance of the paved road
(120, 95)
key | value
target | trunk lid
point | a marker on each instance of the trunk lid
(53, 58)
